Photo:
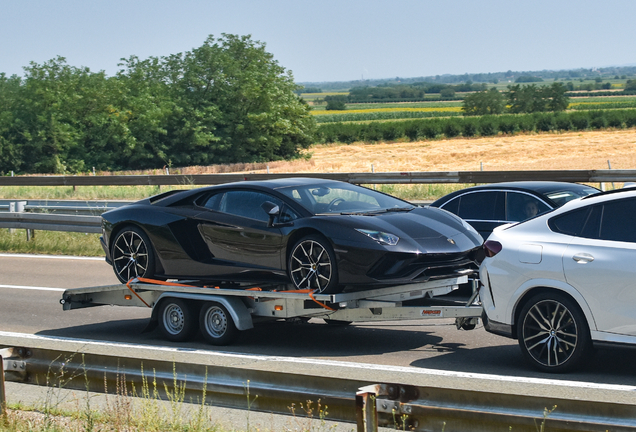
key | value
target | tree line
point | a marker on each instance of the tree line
(518, 99)
(225, 101)
(487, 125)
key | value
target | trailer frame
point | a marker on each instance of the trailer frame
(222, 311)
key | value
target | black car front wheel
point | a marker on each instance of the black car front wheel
(312, 265)
(132, 254)
(553, 332)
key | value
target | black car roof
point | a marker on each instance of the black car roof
(169, 198)
(535, 187)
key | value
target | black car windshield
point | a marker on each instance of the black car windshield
(338, 198)
(563, 196)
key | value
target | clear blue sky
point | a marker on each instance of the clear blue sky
(330, 40)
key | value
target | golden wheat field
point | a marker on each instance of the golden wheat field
(549, 151)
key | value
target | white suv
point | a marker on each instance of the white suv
(565, 280)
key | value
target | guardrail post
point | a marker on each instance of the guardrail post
(366, 412)
(19, 207)
(3, 398)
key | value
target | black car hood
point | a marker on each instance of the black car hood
(431, 229)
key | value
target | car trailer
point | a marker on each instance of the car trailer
(221, 311)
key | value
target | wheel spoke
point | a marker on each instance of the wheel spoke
(541, 321)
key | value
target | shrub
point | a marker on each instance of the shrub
(508, 124)
(469, 128)
(545, 122)
(581, 121)
(630, 118)
(598, 120)
(431, 129)
(412, 131)
(614, 119)
(487, 126)
(563, 122)
(526, 123)
(452, 129)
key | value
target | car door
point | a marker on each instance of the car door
(483, 209)
(599, 262)
(235, 229)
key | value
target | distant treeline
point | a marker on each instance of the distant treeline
(488, 125)
(226, 101)
(494, 77)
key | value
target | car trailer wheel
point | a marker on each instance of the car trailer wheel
(177, 320)
(217, 326)
(553, 333)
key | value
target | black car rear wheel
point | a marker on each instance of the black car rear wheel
(312, 265)
(132, 255)
(553, 332)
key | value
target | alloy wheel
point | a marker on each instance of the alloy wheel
(130, 256)
(311, 266)
(550, 333)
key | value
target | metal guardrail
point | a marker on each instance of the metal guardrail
(81, 207)
(369, 405)
(51, 222)
(583, 176)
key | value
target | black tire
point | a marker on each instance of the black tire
(132, 254)
(312, 265)
(216, 324)
(177, 320)
(553, 333)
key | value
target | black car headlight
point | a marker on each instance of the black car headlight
(381, 237)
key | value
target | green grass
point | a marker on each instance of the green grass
(50, 243)
(83, 192)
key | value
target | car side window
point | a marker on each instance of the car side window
(521, 206)
(248, 204)
(213, 202)
(452, 206)
(488, 206)
(570, 223)
(617, 221)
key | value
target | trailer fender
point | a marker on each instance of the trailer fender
(235, 306)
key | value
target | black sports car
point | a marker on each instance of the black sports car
(318, 234)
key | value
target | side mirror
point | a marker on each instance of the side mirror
(272, 210)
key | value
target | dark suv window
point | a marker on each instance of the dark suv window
(617, 221)
(521, 206)
(570, 223)
(487, 206)
(609, 221)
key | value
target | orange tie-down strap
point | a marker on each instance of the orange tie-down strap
(158, 282)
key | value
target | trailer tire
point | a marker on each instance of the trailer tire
(177, 319)
(216, 324)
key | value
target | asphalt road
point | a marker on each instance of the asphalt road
(31, 287)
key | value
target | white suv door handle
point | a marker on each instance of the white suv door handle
(583, 258)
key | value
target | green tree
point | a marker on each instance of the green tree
(447, 92)
(555, 98)
(484, 102)
(336, 103)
